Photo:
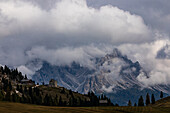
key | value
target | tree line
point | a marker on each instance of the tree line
(34, 95)
(148, 101)
(13, 74)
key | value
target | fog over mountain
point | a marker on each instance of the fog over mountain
(62, 31)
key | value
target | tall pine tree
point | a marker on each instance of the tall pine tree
(46, 100)
(147, 99)
(153, 99)
(140, 101)
(161, 95)
(56, 100)
(135, 104)
(129, 103)
(60, 101)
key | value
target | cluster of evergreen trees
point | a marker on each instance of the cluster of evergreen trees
(33, 95)
(94, 100)
(147, 100)
(24, 95)
(13, 74)
(6, 87)
(74, 101)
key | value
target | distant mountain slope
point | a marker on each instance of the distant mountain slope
(112, 71)
(114, 75)
(70, 77)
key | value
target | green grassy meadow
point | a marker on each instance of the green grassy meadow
(7, 107)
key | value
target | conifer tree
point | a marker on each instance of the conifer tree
(80, 102)
(25, 89)
(153, 99)
(99, 98)
(50, 101)
(38, 99)
(60, 101)
(22, 99)
(6, 69)
(56, 100)
(30, 91)
(116, 104)
(5, 84)
(25, 77)
(147, 99)
(70, 92)
(14, 97)
(129, 103)
(109, 102)
(135, 104)
(63, 91)
(19, 76)
(75, 102)
(8, 95)
(161, 95)
(17, 87)
(46, 99)
(89, 94)
(70, 101)
(20, 89)
(1, 95)
(10, 86)
(37, 91)
(140, 101)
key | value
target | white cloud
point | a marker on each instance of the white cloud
(72, 22)
(109, 89)
(66, 55)
(158, 69)
(151, 11)
(24, 25)
(71, 30)
(26, 71)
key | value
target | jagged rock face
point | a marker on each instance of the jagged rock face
(111, 73)
(114, 75)
(68, 76)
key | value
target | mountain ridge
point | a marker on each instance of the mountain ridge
(113, 74)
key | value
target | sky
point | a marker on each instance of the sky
(62, 31)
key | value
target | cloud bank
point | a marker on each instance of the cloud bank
(71, 22)
(69, 30)
(25, 25)
(158, 69)
(154, 12)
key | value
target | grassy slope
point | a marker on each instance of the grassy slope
(7, 107)
(165, 102)
(53, 91)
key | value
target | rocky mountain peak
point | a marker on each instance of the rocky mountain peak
(113, 74)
